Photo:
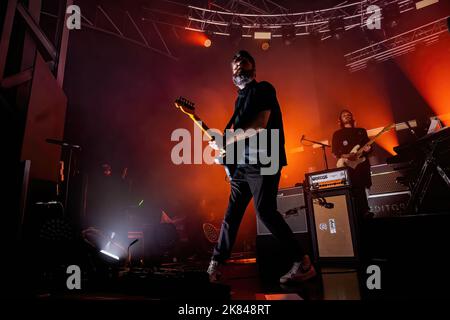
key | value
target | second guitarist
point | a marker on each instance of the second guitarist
(343, 142)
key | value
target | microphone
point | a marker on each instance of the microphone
(134, 241)
(325, 204)
(129, 253)
(328, 205)
(63, 143)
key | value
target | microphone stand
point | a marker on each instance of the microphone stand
(322, 145)
(129, 254)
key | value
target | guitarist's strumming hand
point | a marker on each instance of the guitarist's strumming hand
(213, 144)
(354, 156)
(349, 156)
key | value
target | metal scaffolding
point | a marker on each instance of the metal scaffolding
(396, 46)
(241, 18)
(270, 16)
(116, 27)
(53, 50)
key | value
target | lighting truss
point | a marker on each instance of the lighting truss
(268, 15)
(116, 27)
(396, 46)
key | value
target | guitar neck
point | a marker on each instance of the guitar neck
(201, 125)
(371, 141)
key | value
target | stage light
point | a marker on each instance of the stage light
(262, 35)
(288, 33)
(106, 250)
(207, 43)
(420, 4)
(109, 254)
(265, 45)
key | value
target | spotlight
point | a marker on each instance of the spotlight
(288, 33)
(424, 3)
(262, 35)
(107, 249)
(207, 43)
(110, 254)
(265, 45)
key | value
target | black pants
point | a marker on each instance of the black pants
(247, 182)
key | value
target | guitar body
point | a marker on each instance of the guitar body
(229, 168)
(342, 162)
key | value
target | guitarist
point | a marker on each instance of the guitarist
(343, 142)
(256, 108)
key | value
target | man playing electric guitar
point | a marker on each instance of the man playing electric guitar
(344, 140)
(256, 108)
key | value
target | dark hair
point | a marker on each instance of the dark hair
(246, 55)
(340, 118)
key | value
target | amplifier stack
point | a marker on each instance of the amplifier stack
(331, 215)
(387, 197)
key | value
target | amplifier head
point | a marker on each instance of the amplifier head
(328, 179)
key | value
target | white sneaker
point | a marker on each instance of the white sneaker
(213, 271)
(300, 271)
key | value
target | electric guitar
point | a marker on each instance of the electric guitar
(358, 151)
(187, 107)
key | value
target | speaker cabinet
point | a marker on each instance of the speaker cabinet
(387, 197)
(272, 259)
(333, 226)
(291, 205)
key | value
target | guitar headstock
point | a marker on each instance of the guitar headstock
(185, 105)
(384, 130)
